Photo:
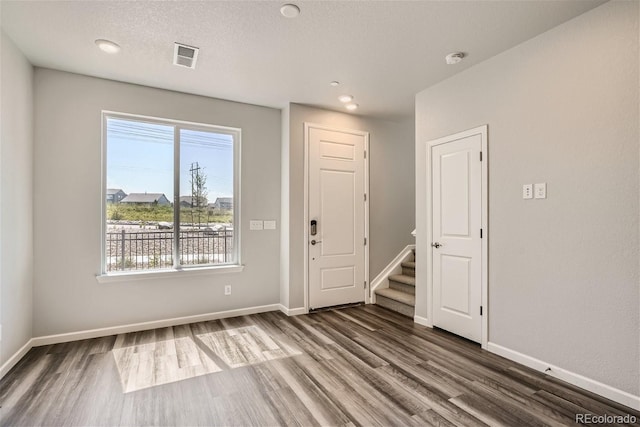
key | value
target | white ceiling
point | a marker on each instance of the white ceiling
(382, 52)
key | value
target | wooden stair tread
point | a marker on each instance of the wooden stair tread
(398, 296)
(403, 278)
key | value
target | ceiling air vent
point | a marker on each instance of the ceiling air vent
(185, 56)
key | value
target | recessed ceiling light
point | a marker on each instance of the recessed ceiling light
(345, 98)
(351, 107)
(108, 46)
(334, 83)
(290, 10)
(454, 58)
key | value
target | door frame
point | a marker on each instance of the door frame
(305, 230)
(484, 262)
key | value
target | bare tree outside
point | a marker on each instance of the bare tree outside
(198, 183)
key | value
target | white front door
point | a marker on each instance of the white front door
(336, 214)
(456, 177)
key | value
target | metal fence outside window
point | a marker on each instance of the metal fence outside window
(128, 250)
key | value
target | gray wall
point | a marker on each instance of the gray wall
(562, 108)
(391, 190)
(68, 194)
(16, 199)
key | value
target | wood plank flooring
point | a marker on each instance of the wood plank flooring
(356, 366)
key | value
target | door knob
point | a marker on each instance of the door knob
(436, 245)
(313, 242)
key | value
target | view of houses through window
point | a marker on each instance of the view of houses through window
(169, 194)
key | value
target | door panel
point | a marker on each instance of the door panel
(456, 283)
(336, 201)
(336, 150)
(454, 172)
(456, 222)
(342, 277)
(337, 190)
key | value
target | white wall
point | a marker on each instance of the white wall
(67, 297)
(562, 108)
(16, 199)
(391, 190)
(284, 210)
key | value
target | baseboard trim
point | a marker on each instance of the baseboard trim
(292, 311)
(143, 326)
(13, 360)
(578, 380)
(422, 321)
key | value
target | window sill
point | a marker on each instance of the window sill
(166, 274)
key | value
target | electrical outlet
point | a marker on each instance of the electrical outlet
(227, 290)
(540, 190)
(270, 225)
(527, 191)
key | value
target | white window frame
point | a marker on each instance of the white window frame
(236, 264)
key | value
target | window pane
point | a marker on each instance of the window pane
(139, 211)
(206, 198)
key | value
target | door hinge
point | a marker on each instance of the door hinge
(481, 156)
(481, 233)
(365, 197)
(365, 154)
(365, 284)
(365, 241)
(480, 310)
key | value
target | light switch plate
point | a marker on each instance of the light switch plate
(270, 225)
(540, 190)
(255, 224)
(527, 191)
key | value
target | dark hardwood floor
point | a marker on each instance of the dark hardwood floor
(356, 366)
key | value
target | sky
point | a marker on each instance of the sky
(140, 158)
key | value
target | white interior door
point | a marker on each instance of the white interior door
(457, 249)
(336, 256)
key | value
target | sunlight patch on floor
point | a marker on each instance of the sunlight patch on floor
(162, 362)
(171, 359)
(246, 346)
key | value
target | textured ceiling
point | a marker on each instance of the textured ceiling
(382, 52)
